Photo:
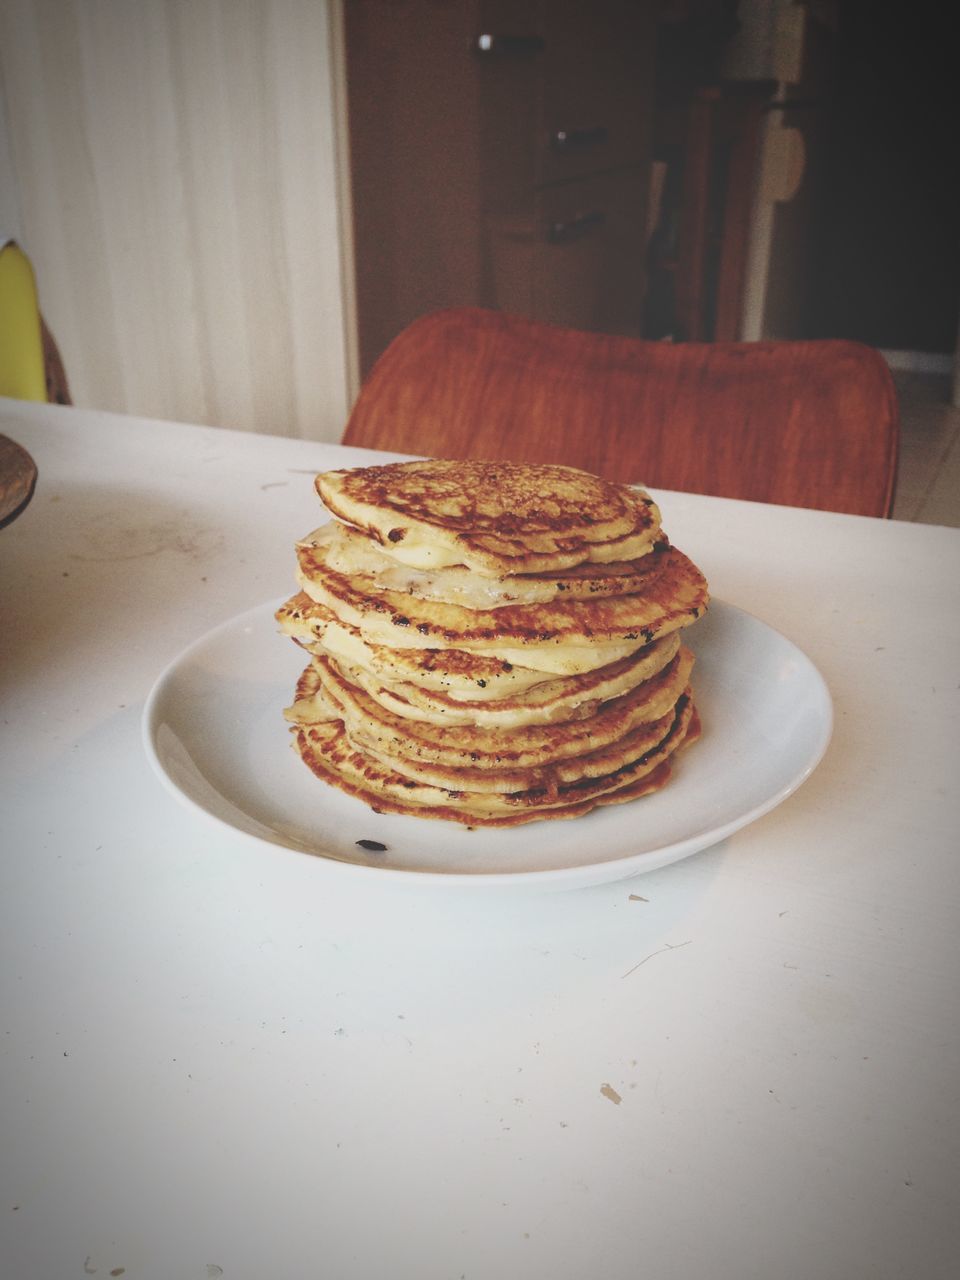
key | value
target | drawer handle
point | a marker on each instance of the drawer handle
(575, 228)
(565, 140)
(506, 46)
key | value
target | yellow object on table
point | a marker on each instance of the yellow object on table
(22, 371)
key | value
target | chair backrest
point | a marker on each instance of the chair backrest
(810, 424)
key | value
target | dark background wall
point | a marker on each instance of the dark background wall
(888, 266)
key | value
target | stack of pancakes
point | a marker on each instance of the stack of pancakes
(491, 643)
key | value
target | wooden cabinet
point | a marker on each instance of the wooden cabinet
(500, 153)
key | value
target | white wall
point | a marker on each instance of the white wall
(176, 171)
(10, 228)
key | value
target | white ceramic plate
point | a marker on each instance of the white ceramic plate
(214, 730)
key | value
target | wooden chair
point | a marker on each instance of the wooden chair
(810, 424)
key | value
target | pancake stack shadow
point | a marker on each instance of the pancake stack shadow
(491, 643)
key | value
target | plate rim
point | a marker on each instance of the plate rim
(581, 875)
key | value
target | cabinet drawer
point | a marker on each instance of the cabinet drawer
(565, 87)
(597, 68)
(575, 256)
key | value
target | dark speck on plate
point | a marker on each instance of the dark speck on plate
(372, 846)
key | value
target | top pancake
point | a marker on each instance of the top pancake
(496, 518)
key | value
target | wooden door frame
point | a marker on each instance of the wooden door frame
(341, 131)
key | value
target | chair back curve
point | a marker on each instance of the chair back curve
(802, 423)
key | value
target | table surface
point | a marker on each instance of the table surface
(225, 1059)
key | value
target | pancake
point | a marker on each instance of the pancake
(562, 698)
(348, 552)
(537, 636)
(476, 749)
(328, 752)
(481, 782)
(461, 675)
(496, 518)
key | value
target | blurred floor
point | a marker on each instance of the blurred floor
(928, 482)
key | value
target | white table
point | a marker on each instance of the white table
(223, 1059)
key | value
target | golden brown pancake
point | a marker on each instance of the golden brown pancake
(676, 597)
(494, 750)
(326, 749)
(474, 676)
(562, 698)
(348, 552)
(496, 518)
